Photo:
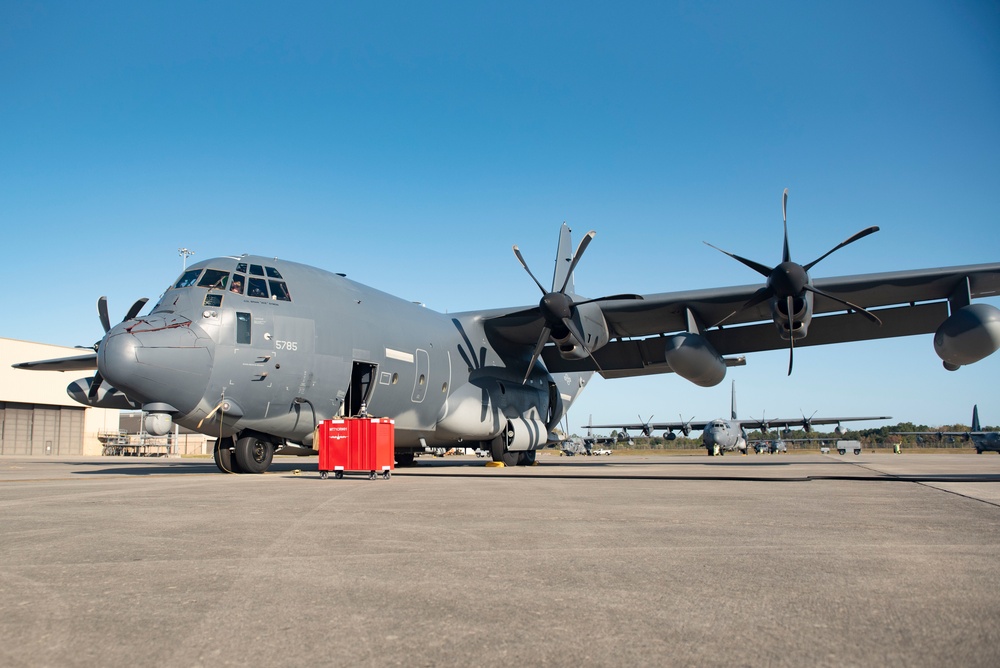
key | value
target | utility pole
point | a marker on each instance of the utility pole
(184, 253)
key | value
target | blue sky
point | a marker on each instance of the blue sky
(411, 144)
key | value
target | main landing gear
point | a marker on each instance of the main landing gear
(248, 454)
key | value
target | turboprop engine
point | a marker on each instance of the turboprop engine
(968, 335)
(692, 357)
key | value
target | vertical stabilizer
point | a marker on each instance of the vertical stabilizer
(975, 418)
(564, 259)
(733, 416)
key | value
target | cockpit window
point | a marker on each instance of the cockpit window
(272, 272)
(279, 291)
(241, 267)
(188, 278)
(256, 270)
(214, 278)
(239, 282)
(257, 288)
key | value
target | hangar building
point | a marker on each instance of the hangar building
(37, 416)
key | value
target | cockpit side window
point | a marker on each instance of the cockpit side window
(239, 282)
(188, 278)
(214, 278)
(279, 291)
(257, 288)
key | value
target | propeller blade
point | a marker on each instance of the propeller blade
(610, 298)
(95, 385)
(584, 242)
(860, 235)
(136, 307)
(762, 295)
(543, 338)
(517, 253)
(102, 312)
(868, 314)
(756, 266)
(786, 256)
(791, 335)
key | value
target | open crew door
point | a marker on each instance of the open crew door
(362, 385)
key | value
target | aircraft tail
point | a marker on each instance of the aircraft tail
(975, 418)
(564, 258)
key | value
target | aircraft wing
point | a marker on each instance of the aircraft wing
(655, 426)
(80, 363)
(801, 422)
(907, 303)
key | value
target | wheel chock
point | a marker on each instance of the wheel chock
(495, 465)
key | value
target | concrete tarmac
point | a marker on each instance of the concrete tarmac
(783, 560)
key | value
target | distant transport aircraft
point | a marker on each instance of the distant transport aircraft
(256, 351)
(720, 435)
(982, 441)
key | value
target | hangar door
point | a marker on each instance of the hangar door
(29, 429)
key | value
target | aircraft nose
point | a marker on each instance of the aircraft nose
(158, 358)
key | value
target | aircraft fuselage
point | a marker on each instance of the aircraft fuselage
(258, 345)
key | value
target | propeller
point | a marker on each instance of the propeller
(647, 430)
(790, 280)
(685, 426)
(557, 307)
(102, 313)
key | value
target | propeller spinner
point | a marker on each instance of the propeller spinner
(790, 281)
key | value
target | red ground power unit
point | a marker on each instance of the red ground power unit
(357, 444)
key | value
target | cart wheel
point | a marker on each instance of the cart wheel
(385, 475)
(371, 475)
(338, 475)
(322, 475)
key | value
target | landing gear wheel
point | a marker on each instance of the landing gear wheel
(253, 455)
(224, 455)
(527, 458)
(500, 453)
(404, 459)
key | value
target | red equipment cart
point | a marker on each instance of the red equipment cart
(357, 444)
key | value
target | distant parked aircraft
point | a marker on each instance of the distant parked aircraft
(983, 441)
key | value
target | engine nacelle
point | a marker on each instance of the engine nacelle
(968, 335)
(692, 357)
(801, 316)
(840, 430)
(670, 436)
(590, 320)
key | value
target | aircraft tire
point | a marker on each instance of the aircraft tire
(224, 455)
(404, 459)
(527, 458)
(253, 455)
(500, 453)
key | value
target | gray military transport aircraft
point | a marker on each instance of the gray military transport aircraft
(720, 435)
(257, 351)
(982, 441)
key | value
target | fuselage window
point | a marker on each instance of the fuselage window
(257, 288)
(256, 270)
(272, 272)
(239, 281)
(279, 291)
(214, 278)
(242, 328)
(188, 278)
